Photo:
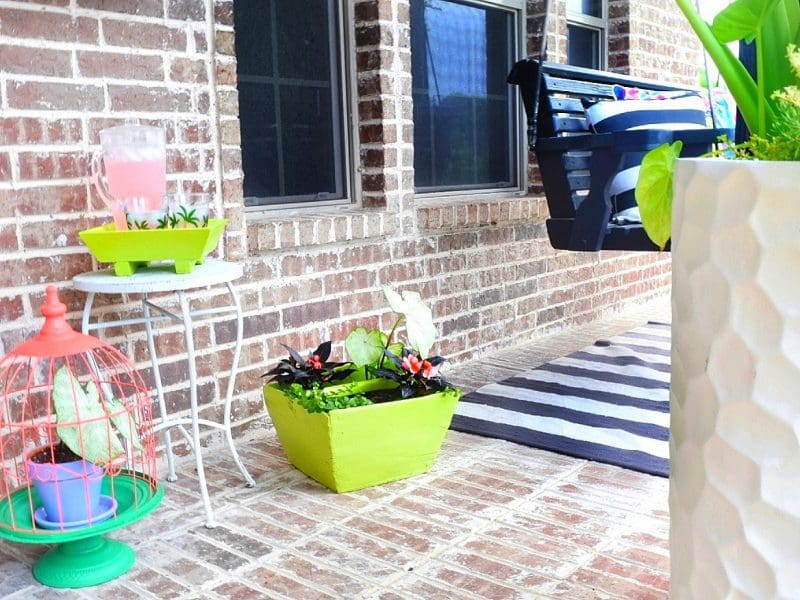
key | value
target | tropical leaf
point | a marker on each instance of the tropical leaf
(365, 347)
(654, 191)
(420, 330)
(81, 421)
(123, 420)
(741, 20)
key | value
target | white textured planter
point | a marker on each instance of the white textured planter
(735, 393)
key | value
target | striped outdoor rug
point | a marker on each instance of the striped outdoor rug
(608, 402)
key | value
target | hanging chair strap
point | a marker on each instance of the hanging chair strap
(533, 126)
(527, 72)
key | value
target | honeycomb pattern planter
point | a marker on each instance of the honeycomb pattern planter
(735, 399)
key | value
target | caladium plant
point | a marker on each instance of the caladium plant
(373, 354)
(90, 423)
(367, 348)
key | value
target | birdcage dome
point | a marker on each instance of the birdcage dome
(77, 450)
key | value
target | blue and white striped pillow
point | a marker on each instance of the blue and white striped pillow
(686, 111)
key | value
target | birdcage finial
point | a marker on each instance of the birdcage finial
(53, 312)
(57, 337)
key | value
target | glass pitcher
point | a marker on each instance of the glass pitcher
(135, 173)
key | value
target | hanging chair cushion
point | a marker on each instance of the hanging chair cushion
(643, 110)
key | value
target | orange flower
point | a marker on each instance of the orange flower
(412, 364)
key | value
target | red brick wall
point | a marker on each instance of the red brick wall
(71, 67)
(645, 39)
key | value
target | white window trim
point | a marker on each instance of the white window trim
(599, 24)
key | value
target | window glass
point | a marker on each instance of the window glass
(290, 100)
(464, 111)
(587, 25)
(593, 8)
(583, 46)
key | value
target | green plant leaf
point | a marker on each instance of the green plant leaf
(742, 20)
(365, 347)
(654, 191)
(81, 421)
(123, 420)
(420, 330)
(396, 348)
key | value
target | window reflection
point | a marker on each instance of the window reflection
(592, 8)
(290, 100)
(463, 109)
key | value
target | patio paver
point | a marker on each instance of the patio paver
(492, 519)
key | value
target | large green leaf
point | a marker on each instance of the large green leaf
(123, 420)
(742, 20)
(741, 85)
(365, 347)
(81, 421)
(654, 191)
(420, 330)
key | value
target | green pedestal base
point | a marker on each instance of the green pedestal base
(83, 557)
(82, 563)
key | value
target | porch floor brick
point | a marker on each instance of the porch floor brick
(491, 519)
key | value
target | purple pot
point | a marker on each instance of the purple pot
(69, 492)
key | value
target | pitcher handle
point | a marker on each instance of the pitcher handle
(98, 180)
(115, 206)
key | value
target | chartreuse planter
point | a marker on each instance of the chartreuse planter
(129, 250)
(354, 448)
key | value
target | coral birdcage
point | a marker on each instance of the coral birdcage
(77, 451)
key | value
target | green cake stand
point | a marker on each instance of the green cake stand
(83, 556)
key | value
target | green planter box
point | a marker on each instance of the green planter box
(129, 250)
(353, 448)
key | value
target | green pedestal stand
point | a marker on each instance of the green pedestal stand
(83, 557)
(85, 562)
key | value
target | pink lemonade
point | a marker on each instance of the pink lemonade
(137, 179)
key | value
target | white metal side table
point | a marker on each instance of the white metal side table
(155, 279)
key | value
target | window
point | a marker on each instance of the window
(466, 121)
(291, 101)
(586, 33)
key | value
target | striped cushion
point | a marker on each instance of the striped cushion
(683, 112)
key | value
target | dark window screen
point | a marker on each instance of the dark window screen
(464, 111)
(583, 47)
(290, 100)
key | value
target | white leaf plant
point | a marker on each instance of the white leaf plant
(88, 423)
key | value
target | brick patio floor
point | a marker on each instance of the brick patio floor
(490, 520)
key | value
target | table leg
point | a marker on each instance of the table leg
(87, 310)
(190, 360)
(151, 346)
(237, 352)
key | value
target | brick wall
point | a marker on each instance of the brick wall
(71, 67)
(654, 41)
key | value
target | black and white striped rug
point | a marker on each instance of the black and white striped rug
(608, 402)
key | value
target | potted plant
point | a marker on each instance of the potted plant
(769, 104)
(735, 228)
(67, 475)
(380, 417)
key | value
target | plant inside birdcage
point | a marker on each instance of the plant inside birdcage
(67, 472)
(77, 451)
